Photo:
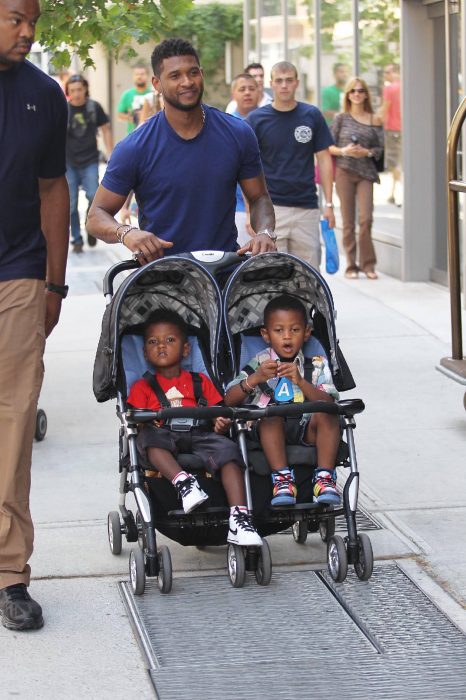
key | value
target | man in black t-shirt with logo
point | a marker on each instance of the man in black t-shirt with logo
(85, 118)
(34, 202)
(290, 135)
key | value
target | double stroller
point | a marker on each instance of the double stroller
(221, 298)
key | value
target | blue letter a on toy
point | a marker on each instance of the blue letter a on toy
(284, 391)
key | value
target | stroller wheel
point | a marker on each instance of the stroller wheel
(263, 571)
(164, 580)
(114, 532)
(41, 425)
(137, 571)
(300, 530)
(236, 565)
(337, 558)
(327, 529)
(364, 565)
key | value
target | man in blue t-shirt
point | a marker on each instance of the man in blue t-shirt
(183, 165)
(34, 202)
(290, 134)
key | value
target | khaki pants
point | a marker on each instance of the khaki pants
(22, 343)
(352, 189)
(298, 233)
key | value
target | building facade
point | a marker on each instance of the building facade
(411, 240)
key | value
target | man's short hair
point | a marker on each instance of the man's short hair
(254, 66)
(282, 67)
(168, 49)
(244, 76)
(166, 316)
(285, 302)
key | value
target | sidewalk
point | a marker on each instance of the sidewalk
(410, 443)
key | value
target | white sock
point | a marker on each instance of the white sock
(243, 509)
(181, 476)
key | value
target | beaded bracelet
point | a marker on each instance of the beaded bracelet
(127, 228)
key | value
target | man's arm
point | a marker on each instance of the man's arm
(324, 160)
(261, 212)
(101, 223)
(55, 221)
(106, 133)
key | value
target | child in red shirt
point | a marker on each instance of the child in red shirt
(165, 345)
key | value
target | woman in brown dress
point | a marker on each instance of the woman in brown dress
(358, 135)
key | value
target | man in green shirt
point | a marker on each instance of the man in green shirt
(131, 101)
(331, 95)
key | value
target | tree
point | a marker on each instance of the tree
(78, 25)
(209, 27)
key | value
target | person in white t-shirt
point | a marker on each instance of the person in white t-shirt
(256, 70)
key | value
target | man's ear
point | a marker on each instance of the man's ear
(265, 334)
(156, 84)
(307, 333)
(186, 349)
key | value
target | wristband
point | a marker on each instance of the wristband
(62, 290)
(243, 383)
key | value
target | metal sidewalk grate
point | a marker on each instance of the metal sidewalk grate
(301, 636)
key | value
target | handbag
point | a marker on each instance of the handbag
(380, 162)
(332, 257)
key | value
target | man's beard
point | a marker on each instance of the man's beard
(182, 107)
(5, 61)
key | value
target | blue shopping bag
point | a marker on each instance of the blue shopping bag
(332, 258)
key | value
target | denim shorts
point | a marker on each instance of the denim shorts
(295, 429)
(213, 449)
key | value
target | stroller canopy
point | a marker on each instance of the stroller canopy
(180, 284)
(263, 277)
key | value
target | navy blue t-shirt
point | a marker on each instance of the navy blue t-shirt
(186, 189)
(33, 119)
(288, 142)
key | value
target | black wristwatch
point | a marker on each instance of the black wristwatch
(58, 289)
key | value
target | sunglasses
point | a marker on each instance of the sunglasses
(357, 91)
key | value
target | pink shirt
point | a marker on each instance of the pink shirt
(391, 94)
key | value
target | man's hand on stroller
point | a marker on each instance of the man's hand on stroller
(145, 246)
(260, 243)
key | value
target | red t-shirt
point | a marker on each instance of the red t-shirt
(178, 390)
(391, 93)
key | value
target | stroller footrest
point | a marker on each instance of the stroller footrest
(215, 509)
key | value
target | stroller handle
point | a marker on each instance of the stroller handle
(227, 260)
(114, 271)
(349, 407)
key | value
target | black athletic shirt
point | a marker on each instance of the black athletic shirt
(83, 122)
(33, 118)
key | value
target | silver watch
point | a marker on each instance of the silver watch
(271, 234)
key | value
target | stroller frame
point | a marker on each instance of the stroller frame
(147, 559)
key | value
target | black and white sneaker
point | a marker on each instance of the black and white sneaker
(190, 493)
(241, 530)
(18, 611)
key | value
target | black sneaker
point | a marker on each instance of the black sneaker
(18, 611)
(91, 241)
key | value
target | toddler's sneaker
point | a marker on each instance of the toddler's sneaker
(241, 530)
(284, 488)
(324, 489)
(190, 493)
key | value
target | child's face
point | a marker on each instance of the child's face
(165, 345)
(286, 332)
